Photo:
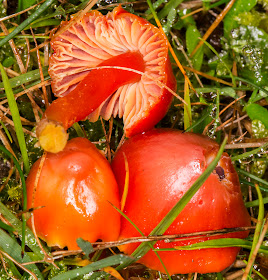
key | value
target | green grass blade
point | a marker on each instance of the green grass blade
(26, 78)
(258, 225)
(109, 261)
(255, 86)
(24, 206)
(250, 153)
(16, 119)
(13, 249)
(141, 233)
(17, 225)
(218, 243)
(259, 180)
(79, 130)
(257, 112)
(218, 3)
(187, 113)
(6, 227)
(156, 5)
(6, 131)
(200, 120)
(176, 210)
(256, 202)
(171, 4)
(30, 19)
(220, 59)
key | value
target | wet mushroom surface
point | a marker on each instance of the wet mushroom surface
(125, 61)
(162, 164)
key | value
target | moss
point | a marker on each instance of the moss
(258, 129)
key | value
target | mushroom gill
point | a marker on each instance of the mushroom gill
(95, 39)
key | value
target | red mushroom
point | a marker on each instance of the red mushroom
(117, 39)
(163, 164)
(72, 196)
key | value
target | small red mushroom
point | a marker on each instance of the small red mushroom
(162, 165)
(72, 196)
(119, 39)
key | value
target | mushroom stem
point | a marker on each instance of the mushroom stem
(96, 87)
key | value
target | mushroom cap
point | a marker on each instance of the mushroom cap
(72, 196)
(95, 38)
(162, 165)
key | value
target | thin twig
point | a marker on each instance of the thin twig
(180, 47)
(209, 77)
(244, 145)
(40, 71)
(46, 83)
(20, 265)
(21, 12)
(255, 252)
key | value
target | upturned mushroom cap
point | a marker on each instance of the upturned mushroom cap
(96, 38)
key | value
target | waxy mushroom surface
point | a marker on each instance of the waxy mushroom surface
(119, 39)
(71, 199)
(162, 165)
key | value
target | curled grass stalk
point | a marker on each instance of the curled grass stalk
(176, 210)
(25, 23)
(16, 119)
(24, 206)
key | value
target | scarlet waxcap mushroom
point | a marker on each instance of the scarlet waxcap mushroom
(72, 196)
(117, 39)
(163, 165)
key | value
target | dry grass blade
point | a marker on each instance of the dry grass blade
(21, 12)
(253, 257)
(213, 26)
(5, 141)
(207, 76)
(41, 71)
(187, 58)
(45, 83)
